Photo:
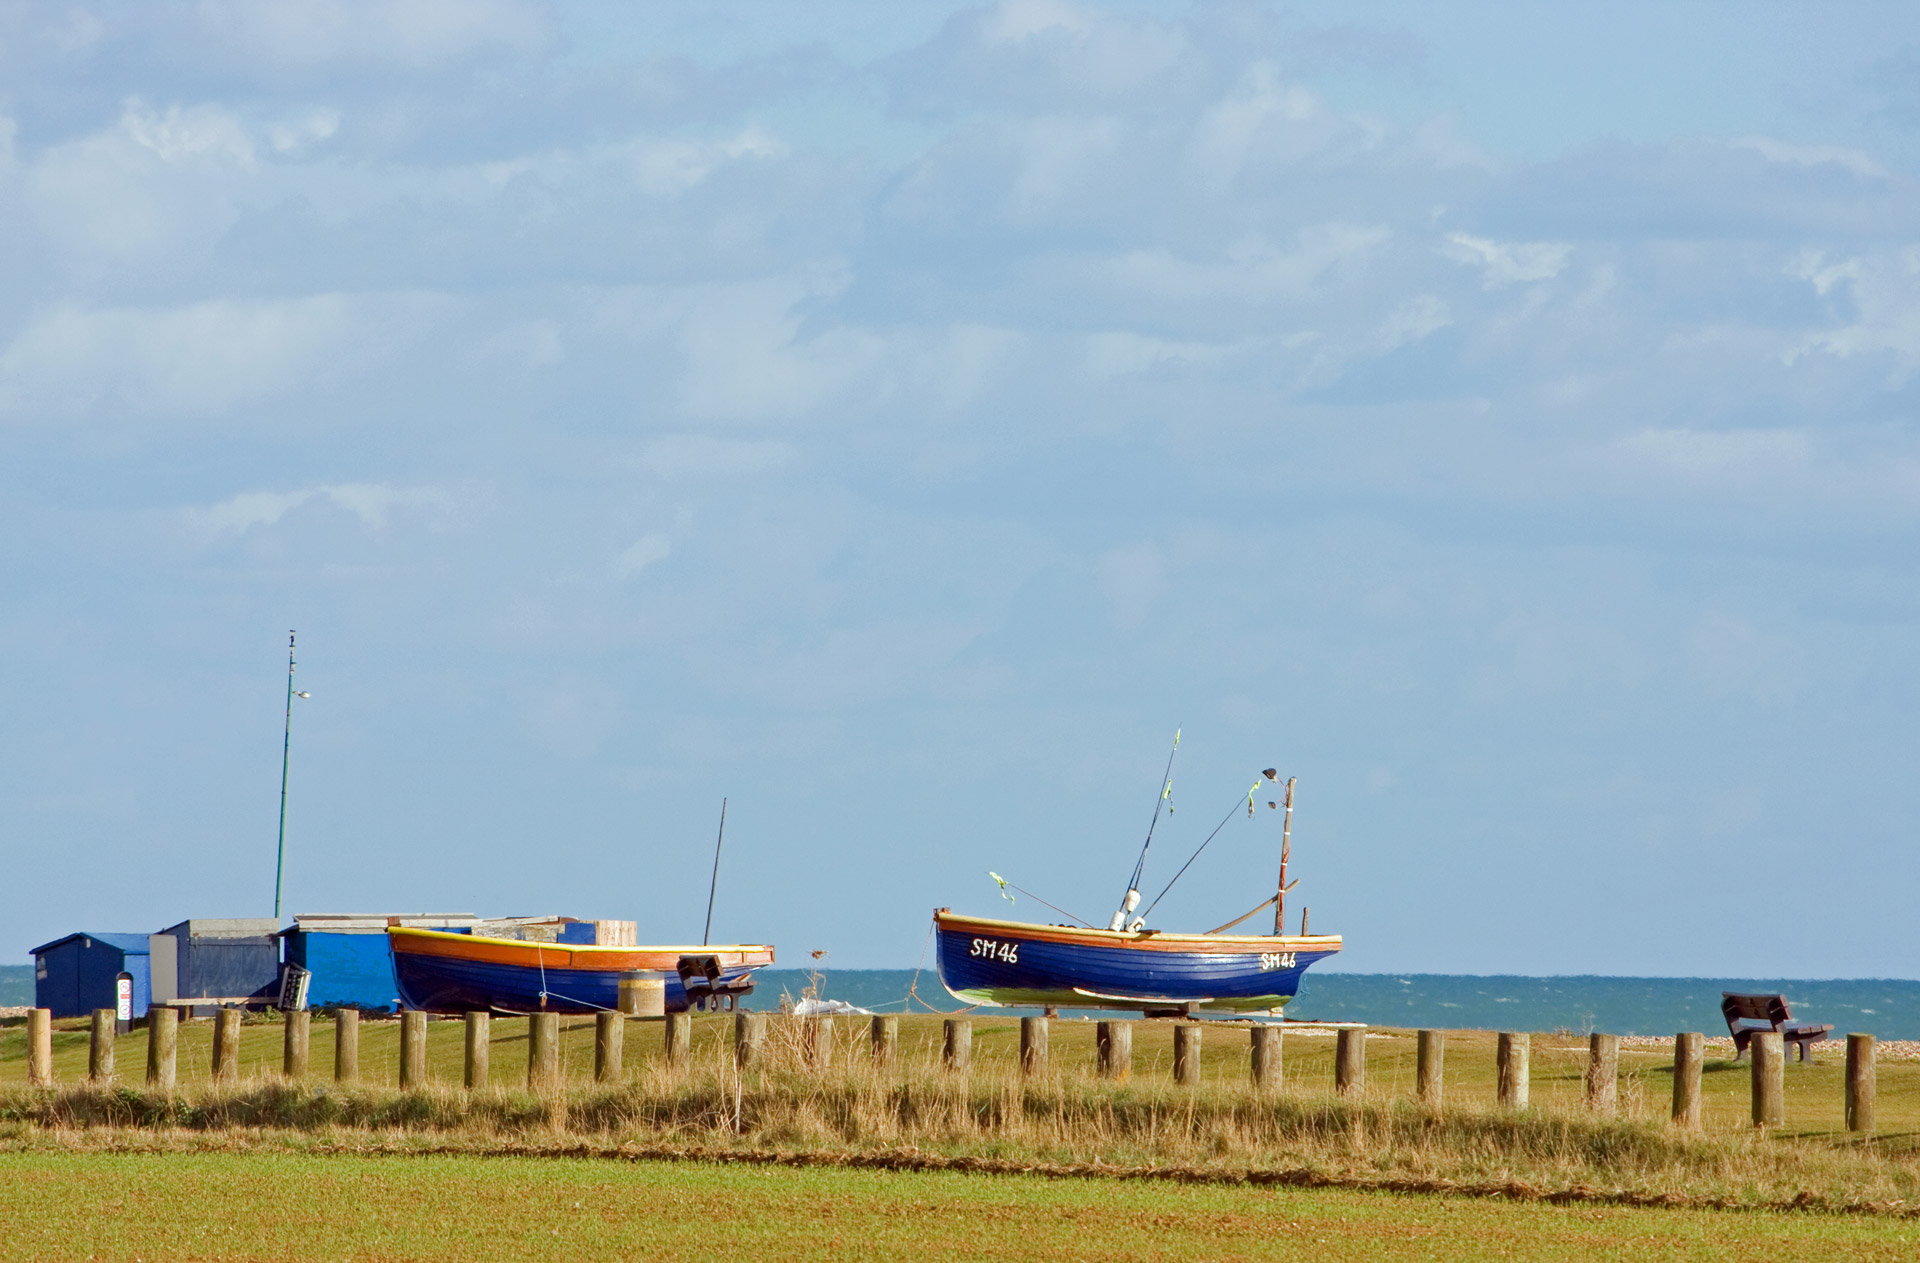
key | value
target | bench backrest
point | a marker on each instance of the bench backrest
(1771, 1009)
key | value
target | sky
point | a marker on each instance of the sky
(899, 420)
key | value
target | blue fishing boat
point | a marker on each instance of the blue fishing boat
(1127, 965)
(448, 972)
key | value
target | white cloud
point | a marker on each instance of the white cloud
(1252, 117)
(666, 168)
(679, 454)
(746, 354)
(1119, 354)
(1715, 457)
(643, 552)
(407, 32)
(372, 503)
(1419, 316)
(188, 134)
(1886, 307)
(205, 358)
(1504, 263)
(1853, 160)
(1252, 268)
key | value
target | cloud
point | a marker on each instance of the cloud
(1853, 160)
(1715, 457)
(748, 354)
(405, 32)
(1252, 268)
(372, 503)
(677, 455)
(1119, 354)
(1886, 307)
(1507, 263)
(201, 359)
(667, 168)
(643, 552)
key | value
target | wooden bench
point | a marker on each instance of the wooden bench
(1770, 1012)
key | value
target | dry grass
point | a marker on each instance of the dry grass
(791, 1107)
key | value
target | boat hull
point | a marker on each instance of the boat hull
(984, 961)
(439, 972)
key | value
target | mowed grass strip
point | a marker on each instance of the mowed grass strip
(58, 1206)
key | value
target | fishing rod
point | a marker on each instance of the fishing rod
(1231, 812)
(1132, 897)
(714, 885)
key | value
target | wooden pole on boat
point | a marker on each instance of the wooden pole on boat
(1286, 852)
(885, 1038)
(1511, 1058)
(1429, 1068)
(1266, 1058)
(479, 1048)
(346, 1045)
(714, 885)
(1186, 1052)
(1603, 1072)
(1350, 1061)
(1860, 1083)
(1115, 1040)
(1688, 1047)
(1033, 1046)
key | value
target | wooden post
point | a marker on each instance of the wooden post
(40, 1047)
(543, 1051)
(677, 1038)
(1769, 1079)
(226, 1045)
(1186, 1053)
(1860, 1083)
(1689, 1049)
(816, 1041)
(1266, 1058)
(885, 1038)
(1511, 1057)
(413, 1049)
(163, 1041)
(1603, 1072)
(609, 1039)
(479, 1049)
(1114, 1040)
(957, 1051)
(100, 1046)
(749, 1035)
(1350, 1061)
(1033, 1046)
(346, 1045)
(1429, 1068)
(294, 1044)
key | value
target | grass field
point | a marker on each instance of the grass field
(280, 1206)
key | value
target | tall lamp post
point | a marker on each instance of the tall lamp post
(286, 750)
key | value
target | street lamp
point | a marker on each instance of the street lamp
(286, 750)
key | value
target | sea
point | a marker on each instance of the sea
(1886, 1007)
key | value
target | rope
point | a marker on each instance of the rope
(1231, 812)
(1056, 907)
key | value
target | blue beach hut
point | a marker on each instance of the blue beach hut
(75, 975)
(348, 957)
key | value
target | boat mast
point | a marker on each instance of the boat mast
(714, 885)
(1131, 899)
(1286, 850)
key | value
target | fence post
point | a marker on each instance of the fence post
(609, 1046)
(1860, 1083)
(1688, 1052)
(100, 1046)
(413, 1049)
(479, 1049)
(1429, 1068)
(1350, 1061)
(676, 1040)
(957, 1051)
(1266, 1058)
(1511, 1058)
(816, 1041)
(749, 1035)
(40, 1047)
(294, 1044)
(1769, 1079)
(543, 1051)
(1603, 1072)
(1114, 1039)
(163, 1042)
(226, 1045)
(884, 1038)
(1033, 1046)
(1186, 1053)
(346, 1045)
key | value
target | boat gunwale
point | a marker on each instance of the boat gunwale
(405, 932)
(1150, 940)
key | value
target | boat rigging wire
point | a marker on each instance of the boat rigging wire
(1166, 793)
(1037, 899)
(1231, 812)
(714, 884)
